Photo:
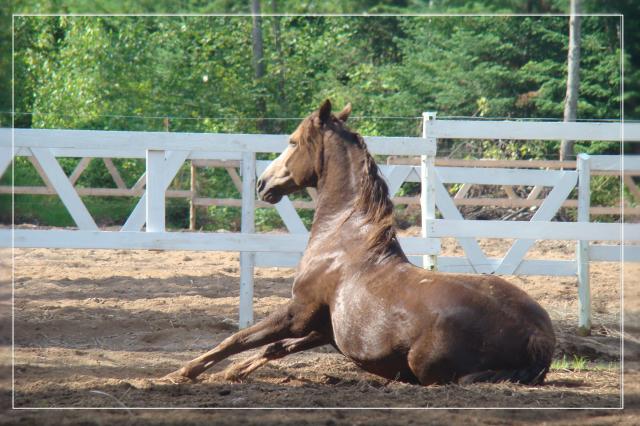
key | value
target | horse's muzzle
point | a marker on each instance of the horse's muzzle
(270, 197)
(268, 194)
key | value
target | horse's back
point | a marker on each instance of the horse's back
(488, 297)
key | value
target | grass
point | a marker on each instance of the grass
(578, 363)
(573, 364)
(48, 210)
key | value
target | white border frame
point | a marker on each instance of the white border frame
(13, 406)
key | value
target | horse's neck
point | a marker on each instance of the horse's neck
(340, 232)
(338, 186)
(338, 219)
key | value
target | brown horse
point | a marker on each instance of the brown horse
(356, 290)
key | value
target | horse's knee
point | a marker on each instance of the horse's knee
(275, 350)
(303, 319)
(291, 320)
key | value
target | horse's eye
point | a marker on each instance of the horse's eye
(293, 143)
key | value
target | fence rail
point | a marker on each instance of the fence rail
(165, 153)
(527, 130)
(512, 199)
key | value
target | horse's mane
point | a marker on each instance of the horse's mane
(374, 202)
(373, 198)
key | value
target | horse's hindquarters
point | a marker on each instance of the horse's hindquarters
(437, 328)
(486, 328)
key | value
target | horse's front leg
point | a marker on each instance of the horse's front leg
(280, 349)
(291, 320)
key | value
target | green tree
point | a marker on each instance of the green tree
(130, 73)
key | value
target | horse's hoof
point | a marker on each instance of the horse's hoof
(238, 373)
(234, 376)
(176, 378)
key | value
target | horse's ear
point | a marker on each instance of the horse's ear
(345, 113)
(324, 113)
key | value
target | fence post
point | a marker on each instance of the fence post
(427, 187)
(193, 186)
(582, 249)
(247, 259)
(155, 211)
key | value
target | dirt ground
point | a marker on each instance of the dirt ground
(93, 328)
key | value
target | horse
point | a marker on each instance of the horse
(355, 289)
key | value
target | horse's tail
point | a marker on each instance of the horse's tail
(540, 349)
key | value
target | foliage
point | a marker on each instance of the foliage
(129, 73)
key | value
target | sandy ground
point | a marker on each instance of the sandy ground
(92, 328)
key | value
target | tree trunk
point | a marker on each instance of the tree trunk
(281, 69)
(258, 62)
(573, 77)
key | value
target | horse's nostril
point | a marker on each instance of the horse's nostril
(260, 185)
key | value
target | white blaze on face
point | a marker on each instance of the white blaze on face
(277, 173)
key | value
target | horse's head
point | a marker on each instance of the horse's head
(300, 163)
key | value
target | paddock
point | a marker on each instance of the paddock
(96, 318)
(91, 321)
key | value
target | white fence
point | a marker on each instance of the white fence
(166, 152)
(540, 227)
